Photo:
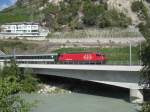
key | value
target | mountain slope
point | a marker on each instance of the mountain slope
(68, 13)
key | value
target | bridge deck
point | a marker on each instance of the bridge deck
(83, 67)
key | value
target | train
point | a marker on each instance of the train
(82, 58)
(61, 58)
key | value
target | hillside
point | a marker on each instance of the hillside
(125, 7)
(69, 15)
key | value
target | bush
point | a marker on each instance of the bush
(12, 81)
(9, 101)
(26, 81)
(140, 9)
(91, 13)
(137, 6)
(146, 107)
(145, 29)
(29, 82)
(112, 18)
(145, 76)
(64, 14)
(8, 45)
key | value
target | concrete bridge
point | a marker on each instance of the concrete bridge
(120, 76)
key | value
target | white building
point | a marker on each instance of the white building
(20, 28)
(25, 29)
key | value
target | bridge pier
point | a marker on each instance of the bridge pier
(136, 96)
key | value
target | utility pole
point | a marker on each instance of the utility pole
(140, 53)
(14, 53)
(130, 54)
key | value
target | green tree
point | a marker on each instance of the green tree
(29, 82)
(9, 100)
(145, 57)
(140, 9)
(112, 18)
(143, 14)
(12, 81)
(144, 28)
(92, 12)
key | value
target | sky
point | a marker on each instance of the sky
(6, 3)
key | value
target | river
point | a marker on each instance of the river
(77, 102)
(85, 97)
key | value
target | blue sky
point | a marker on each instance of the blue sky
(6, 3)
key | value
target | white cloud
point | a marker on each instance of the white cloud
(11, 2)
(3, 6)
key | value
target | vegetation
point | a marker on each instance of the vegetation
(143, 15)
(96, 33)
(146, 62)
(91, 12)
(14, 14)
(63, 15)
(79, 14)
(23, 11)
(9, 101)
(114, 55)
(144, 27)
(146, 107)
(112, 18)
(12, 81)
(68, 15)
(140, 9)
(146, 73)
(8, 46)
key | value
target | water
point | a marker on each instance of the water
(77, 102)
(85, 97)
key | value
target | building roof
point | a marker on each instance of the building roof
(18, 23)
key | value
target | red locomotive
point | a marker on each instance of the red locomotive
(82, 58)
